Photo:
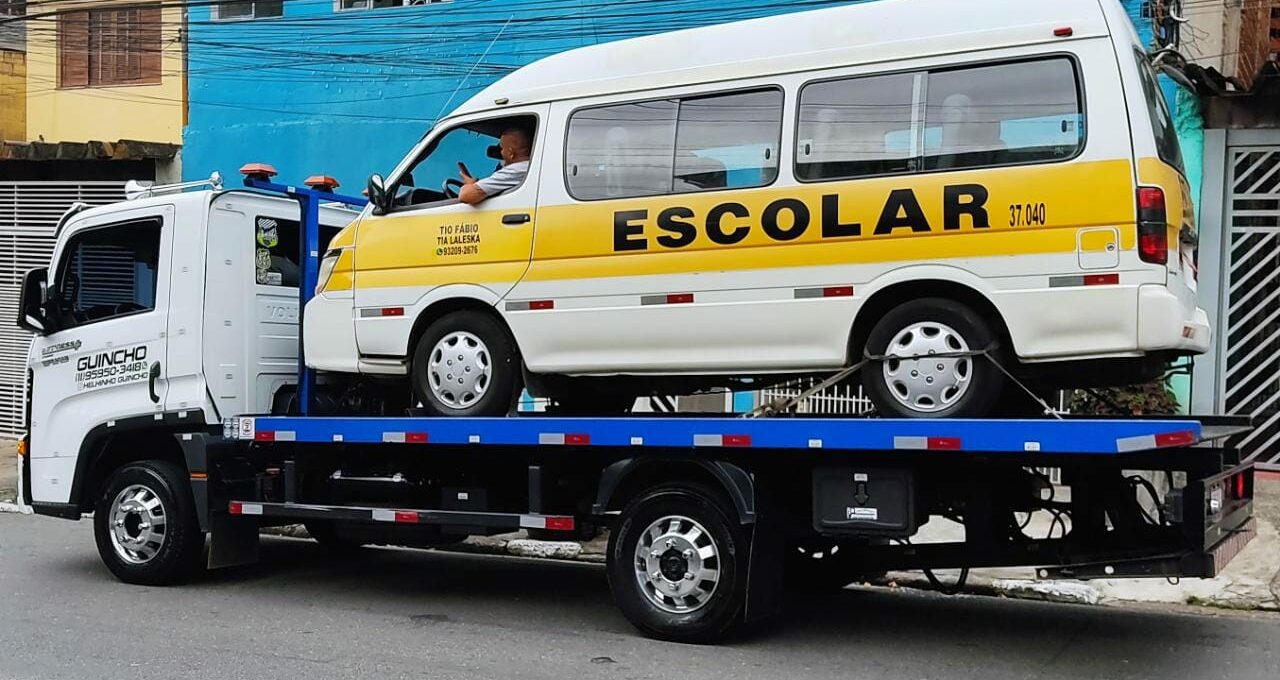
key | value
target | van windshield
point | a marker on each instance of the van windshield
(1161, 119)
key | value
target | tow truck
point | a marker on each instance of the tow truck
(169, 396)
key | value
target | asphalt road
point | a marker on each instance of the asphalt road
(303, 613)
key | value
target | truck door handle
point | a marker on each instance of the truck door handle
(516, 218)
(151, 382)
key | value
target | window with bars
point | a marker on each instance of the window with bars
(118, 46)
(248, 9)
(345, 5)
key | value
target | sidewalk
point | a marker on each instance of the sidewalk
(8, 470)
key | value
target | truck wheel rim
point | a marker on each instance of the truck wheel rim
(460, 370)
(926, 384)
(677, 564)
(137, 523)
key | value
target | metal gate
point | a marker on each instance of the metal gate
(29, 213)
(1250, 327)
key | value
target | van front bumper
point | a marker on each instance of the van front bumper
(329, 334)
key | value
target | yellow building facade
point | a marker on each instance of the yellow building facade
(13, 95)
(106, 71)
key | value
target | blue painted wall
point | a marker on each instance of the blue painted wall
(348, 93)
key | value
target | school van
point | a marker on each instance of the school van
(963, 192)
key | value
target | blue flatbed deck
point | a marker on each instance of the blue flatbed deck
(1079, 437)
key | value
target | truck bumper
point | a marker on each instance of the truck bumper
(1164, 324)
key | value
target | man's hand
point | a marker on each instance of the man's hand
(467, 179)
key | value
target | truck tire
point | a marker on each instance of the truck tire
(964, 387)
(145, 525)
(465, 364)
(677, 564)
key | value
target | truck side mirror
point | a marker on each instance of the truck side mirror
(31, 305)
(378, 194)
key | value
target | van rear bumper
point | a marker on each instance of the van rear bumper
(1163, 323)
(1094, 322)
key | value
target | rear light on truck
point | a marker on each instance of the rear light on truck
(1153, 229)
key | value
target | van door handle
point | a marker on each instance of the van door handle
(516, 218)
(151, 382)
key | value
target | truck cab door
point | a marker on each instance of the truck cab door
(102, 359)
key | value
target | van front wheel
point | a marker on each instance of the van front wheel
(465, 364)
(919, 385)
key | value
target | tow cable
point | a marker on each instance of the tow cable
(786, 405)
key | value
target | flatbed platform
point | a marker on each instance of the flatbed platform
(1070, 436)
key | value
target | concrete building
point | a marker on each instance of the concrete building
(1233, 47)
(91, 95)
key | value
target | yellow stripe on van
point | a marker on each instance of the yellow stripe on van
(978, 213)
(581, 241)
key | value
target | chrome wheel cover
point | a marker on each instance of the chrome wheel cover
(459, 370)
(926, 384)
(137, 523)
(677, 564)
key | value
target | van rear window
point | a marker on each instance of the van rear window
(1161, 120)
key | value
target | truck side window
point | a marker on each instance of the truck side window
(275, 242)
(108, 272)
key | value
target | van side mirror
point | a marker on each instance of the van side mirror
(31, 305)
(378, 194)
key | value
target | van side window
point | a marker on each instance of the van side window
(622, 151)
(674, 145)
(108, 272)
(855, 127)
(1002, 114)
(728, 141)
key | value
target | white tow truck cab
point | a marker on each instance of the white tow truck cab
(171, 307)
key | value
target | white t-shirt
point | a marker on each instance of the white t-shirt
(507, 177)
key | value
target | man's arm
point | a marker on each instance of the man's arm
(470, 193)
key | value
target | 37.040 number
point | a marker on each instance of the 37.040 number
(1027, 215)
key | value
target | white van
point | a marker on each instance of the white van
(754, 201)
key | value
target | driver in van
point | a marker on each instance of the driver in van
(516, 147)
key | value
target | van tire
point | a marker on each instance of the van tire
(174, 556)
(484, 345)
(964, 388)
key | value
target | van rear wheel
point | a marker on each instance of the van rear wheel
(950, 386)
(465, 364)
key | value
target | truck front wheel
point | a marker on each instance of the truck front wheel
(677, 564)
(145, 525)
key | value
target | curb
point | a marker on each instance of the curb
(1062, 592)
(6, 506)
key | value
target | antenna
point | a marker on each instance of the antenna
(474, 66)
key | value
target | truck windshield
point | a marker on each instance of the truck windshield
(1161, 119)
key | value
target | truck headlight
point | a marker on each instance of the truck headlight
(327, 265)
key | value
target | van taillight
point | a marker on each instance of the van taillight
(1153, 229)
